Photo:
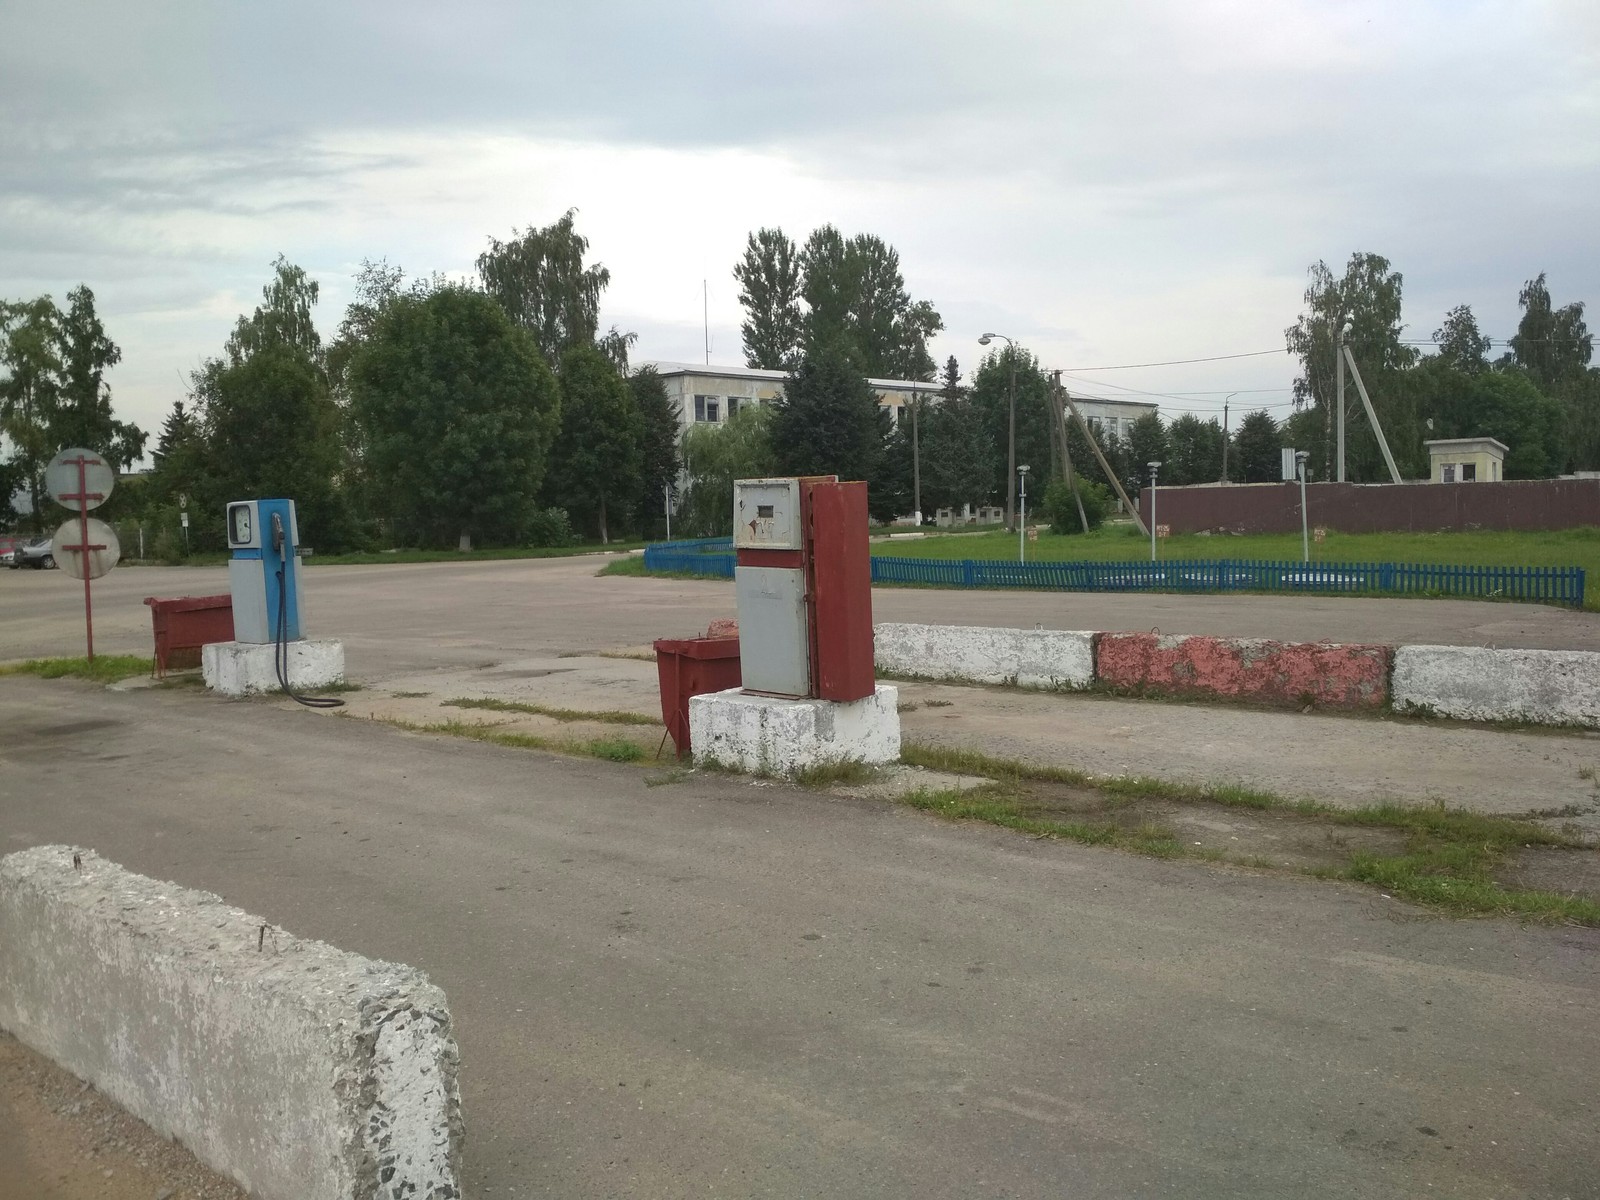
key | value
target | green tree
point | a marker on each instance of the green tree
(958, 457)
(713, 457)
(83, 415)
(270, 425)
(769, 290)
(1509, 406)
(991, 391)
(30, 354)
(540, 279)
(595, 465)
(828, 421)
(1061, 509)
(1367, 298)
(1257, 449)
(1551, 344)
(659, 424)
(1195, 451)
(456, 412)
(1460, 346)
(1147, 443)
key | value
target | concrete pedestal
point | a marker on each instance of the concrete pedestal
(246, 668)
(767, 735)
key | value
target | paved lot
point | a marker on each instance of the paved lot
(716, 988)
(403, 617)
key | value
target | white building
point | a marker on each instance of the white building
(709, 394)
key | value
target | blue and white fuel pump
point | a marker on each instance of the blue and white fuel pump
(264, 573)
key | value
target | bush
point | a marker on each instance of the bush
(550, 527)
(1062, 509)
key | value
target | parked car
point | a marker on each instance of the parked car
(37, 554)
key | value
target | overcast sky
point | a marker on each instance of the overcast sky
(1108, 183)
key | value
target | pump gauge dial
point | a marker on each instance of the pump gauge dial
(239, 524)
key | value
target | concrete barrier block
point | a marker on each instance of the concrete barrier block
(773, 736)
(249, 668)
(1250, 669)
(1032, 658)
(1476, 683)
(300, 1071)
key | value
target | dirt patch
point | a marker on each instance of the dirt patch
(1542, 868)
(60, 1139)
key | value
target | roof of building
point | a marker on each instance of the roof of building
(1463, 443)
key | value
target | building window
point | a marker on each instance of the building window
(1494, 470)
(1469, 472)
(733, 406)
(706, 408)
(1447, 473)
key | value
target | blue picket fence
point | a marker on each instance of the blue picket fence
(1548, 585)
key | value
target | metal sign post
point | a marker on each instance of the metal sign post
(83, 480)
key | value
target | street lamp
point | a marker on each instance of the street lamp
(1011, 426)
(1022, 525)
(1300, 457)
(1154, 467)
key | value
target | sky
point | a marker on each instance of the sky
(1107, 183)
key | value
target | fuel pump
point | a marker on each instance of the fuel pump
(264, 577)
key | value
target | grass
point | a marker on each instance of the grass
(604, 716)
(634, 565)
(106, 668)
(615, 749)
(1124, 543)
(1447, 864)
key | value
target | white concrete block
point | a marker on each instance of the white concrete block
(300, 1071)
(1056, 659)
(247, 668)
(768, 735)
(1475, 683)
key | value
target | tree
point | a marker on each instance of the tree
(456, 412)
(1257, 449)
(991, 391)
(1509, 406)
(540, 279)
(1147, 443)
(1461, 347)
(283, 319)
(595, 465)
(769, 290)
(30, 353)
(716, 455)
(1060, 507)
(1368, 298)
(83, 414)
(1195, 451)
(1551, 344)
(659, 423)
(828, 421)
(958, 459)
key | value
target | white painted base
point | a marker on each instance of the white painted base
(1475, 683)
(248, 668)
(767, 735)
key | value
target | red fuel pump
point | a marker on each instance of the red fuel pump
(804, 583)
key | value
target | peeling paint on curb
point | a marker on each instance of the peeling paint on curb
(1256, 670)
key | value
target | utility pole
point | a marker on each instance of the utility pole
(1230, 396)
(1058, 417)
(1154, 467)
(916, 461)
(1338, 388)
(1372, 415)
(1111, 476)
(1011, 428)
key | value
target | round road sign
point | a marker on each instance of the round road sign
(74, 559)
(61, 479)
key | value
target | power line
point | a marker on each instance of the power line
(1179, 362)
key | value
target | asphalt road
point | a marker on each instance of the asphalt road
(408, 617)
(717, 988)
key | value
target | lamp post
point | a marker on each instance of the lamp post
(1011, 426)
(1225, 400)
(1154, 467)
(1022, 525)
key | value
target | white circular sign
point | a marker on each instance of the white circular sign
(71, 555)
(61, 478)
